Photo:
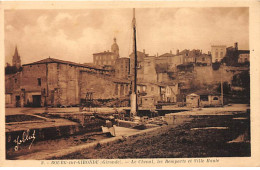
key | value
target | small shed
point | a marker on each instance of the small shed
(209, 98)
(192, 100)
(148, 102)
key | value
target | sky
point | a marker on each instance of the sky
(74, 35)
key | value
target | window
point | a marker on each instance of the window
(116, 89)
(204, 98)
(15, 80)
(221, 54)
(126, 89)
(217, 54)
(203, 59)
(215, 98)
(121, 90)
(39, 81)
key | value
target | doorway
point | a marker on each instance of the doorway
(36, 100)
(17, 101)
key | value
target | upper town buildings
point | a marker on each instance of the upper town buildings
(229, 55)
(218, 52)
(163, 78)
(244, 57)
(107, 58)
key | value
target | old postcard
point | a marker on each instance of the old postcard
(130, 83)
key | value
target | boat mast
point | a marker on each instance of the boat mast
(134, 79)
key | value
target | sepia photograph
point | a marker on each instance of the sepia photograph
(106, 84)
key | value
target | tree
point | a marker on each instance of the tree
(242, 80)
(226, 88)
(12, 69)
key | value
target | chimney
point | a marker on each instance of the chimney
(144, 51)
(236, 46)
(177, 52)
(170, 51)
(157, 55)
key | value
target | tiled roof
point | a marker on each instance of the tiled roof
(103, 53)
(53, 60)
(184, 51)
(118, 80)
(166, 55)
(207, 92)
(243, 51)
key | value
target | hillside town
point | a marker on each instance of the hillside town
(186, 103)
(169, 79)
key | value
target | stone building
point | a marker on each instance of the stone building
(234, 56)
(149, 69)
(203, 60)
(158, 92)
(122, 68)
(168, 62)
(169, 92)
(193, 100)
(122, 88)
(103, 86)
(185, 53)
(12, 86)
(209, 98)
(218, 52)
(107, 58)
(164, 58)
(244, 57)
(51, 82)
(204, 98)
(166, 65)
(192, 55)
(140, 65)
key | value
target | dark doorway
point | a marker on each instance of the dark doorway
(36, 100)
(17, 101)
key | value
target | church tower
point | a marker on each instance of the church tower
(115, 48)
(16, 59)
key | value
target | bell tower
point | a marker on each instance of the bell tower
(16, 59)
(115, 48)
